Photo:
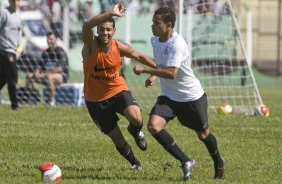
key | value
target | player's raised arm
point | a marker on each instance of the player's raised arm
(87, 34)
(127, 51)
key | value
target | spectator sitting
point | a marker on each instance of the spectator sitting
(52, 69)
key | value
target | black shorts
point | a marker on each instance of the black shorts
(104, 113)
(190, 114)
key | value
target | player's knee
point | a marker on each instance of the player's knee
(203, 134)
(200, 136)
(136, 120)
(152, 128)
(139, 120)
(133, 115)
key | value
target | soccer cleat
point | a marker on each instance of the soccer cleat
(136, 167)
(139, 138)
(219, 170)
(187, 169)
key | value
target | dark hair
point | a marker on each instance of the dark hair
(167, 14)
(49, 33)
(112, 20)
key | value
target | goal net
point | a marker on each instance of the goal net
(218, 55)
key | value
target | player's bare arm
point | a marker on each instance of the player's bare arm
(87, 33)
(87, 36)
(127, 51)
(167, 73)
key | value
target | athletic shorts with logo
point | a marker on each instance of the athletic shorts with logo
(104, 113)
(190, 114)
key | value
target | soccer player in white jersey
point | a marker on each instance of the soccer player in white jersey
(182, 94)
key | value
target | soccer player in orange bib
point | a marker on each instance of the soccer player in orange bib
(105, 90)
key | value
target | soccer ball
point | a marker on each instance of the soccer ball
(261, 110)
(49, 172)
(224, 109)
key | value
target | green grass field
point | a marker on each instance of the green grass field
(250, 146)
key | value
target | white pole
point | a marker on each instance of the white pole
(249, 37)
(244, 50)
(127, 31)
(66, 28)
(180, 17)
(189, 29)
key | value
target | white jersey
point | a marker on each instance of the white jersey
(174, 53)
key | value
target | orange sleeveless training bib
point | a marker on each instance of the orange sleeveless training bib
(102, 75)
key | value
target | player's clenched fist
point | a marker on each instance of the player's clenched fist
(118, 9)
